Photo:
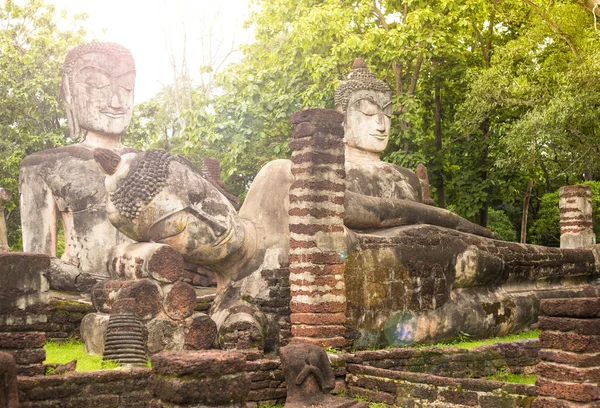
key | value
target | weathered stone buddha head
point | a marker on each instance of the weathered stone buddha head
(366, 103)
(97, 89)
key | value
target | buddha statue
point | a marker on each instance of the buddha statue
(380, 194)
(413, 272)
(97, 90)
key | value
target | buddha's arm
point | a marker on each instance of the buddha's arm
(366, 212)
(38, 213)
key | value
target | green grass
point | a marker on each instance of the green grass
(64, 352)
(513, 378)
(469, 344)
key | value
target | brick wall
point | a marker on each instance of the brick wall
(97, 389)
(516, 357)
(64, 318)
(426, 390)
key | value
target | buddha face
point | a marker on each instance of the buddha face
(102, 92)
(368, 118)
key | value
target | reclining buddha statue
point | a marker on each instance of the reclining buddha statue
(413, 272)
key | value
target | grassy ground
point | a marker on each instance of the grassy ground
(465, 343)
(62, 353)
(513, 378)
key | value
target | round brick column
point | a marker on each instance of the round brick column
(317, 239)
(576, 217)
(4, 197)
(569, 371)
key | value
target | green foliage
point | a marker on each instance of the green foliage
(65, 352)
(546, 228)
(500, 224)
(32, 49)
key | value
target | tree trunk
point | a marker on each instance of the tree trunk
(526, 200)
(437, 113)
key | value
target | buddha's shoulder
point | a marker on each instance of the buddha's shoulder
(56, 155)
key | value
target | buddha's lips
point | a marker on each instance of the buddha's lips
(114, 115)
(379, 136)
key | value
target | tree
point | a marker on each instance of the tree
(32, 50)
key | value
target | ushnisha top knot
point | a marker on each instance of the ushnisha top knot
(359, 79)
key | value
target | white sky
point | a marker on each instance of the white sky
(150, 27)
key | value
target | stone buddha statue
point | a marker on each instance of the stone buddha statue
(379, 194)
(97, 89)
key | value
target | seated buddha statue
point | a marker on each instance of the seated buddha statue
(380, 194)
(97, 90)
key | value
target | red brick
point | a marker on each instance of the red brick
(568, 390)
(335, 292)
(320, 270)
(561, 372)
(574, 359)
(581, 326)
(318, 318)
(316, 115)
(578, 307)
(337, 342)
(326, 307)
(328, 280)
(318, 331)
(22, 340)
(570, 342)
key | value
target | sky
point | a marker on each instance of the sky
(155, 29)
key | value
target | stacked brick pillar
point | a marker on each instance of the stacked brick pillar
(317, 241)
(569, 373)
(576, 217)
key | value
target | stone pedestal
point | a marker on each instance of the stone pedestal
(576, 217)
(317, 239)
(199, 379)
(569, 373)
(23, 306)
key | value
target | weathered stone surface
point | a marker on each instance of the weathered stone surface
(143, 260)
(66, 277)
(570, 358)
(200, 332)
(570, 342)
(562, 372)
(22, 340)
(9, 393)
(164, 334)
(22, 280)
(581, 308)
(179, 300)
(309, 378)
(565, 324)
(198, 364)
(578, 392)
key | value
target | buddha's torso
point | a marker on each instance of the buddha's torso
(77, 186)
(383, 180)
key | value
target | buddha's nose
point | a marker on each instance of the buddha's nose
(380, 120)
(115, 100)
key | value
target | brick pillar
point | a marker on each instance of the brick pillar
(424, 179)
(317, 241)
(576, 217)
(4, 197)
(569, 371)
(212, 168)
